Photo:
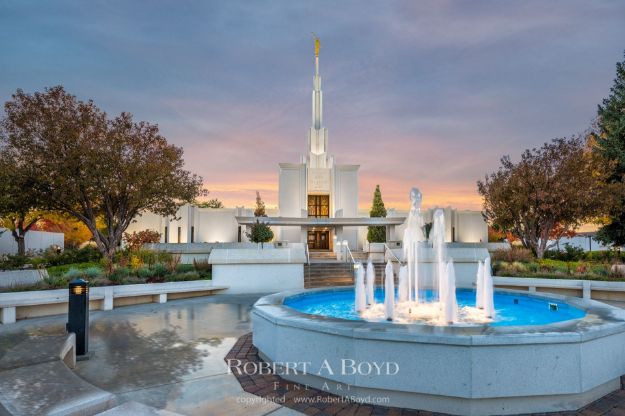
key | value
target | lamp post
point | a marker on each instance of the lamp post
(78, 314)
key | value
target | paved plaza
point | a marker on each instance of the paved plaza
(172, 356)
(168, 356)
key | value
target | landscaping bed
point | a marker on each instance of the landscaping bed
(567, 264)
(141, 266)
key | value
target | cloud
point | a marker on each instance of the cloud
(428, 93)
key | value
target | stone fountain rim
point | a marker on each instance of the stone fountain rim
(600, 320)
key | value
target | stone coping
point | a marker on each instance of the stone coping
(288, 255)
(601, 320)
(560, 283)
(311, 401)
(36, 297)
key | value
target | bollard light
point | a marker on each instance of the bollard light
(78, 314)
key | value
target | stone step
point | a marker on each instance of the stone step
(50, 388)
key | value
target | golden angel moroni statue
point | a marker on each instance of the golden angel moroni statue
(317, 45)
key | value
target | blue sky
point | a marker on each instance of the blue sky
(425, 93)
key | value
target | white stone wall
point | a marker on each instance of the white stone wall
(35, 241)
(292, 189)
(346, 190)
(470, 227)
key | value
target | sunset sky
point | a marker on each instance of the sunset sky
(419, 93)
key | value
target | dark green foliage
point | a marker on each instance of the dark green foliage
(183, 268)
(145, 272)
(82, 255)
(260, 233)
(160, 270)
(570, 253)
(13, 261)
(377, 234)
(183, 277)
(203, 267)
(610, 140)
(119, 274)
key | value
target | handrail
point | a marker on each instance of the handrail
(307, 254)
(387, 248)
(350, 255)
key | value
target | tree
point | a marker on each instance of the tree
(260, 233)
(211, 203)
(377, 234)
(20, 207)
(610, 144)
(554, 188)
(260, 206)
(91, 167)
(75, 232)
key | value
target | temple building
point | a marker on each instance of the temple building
(317, 204)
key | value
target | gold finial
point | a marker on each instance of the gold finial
(317, 44)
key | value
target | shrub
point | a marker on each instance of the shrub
(56, 281)
(136, 240)
(73, 274)
(163, 257)
(181, 277)
(93, 272)
(62, 269)
(14, 261)
(512, 255)
(119, 274)
(202, 265)
(82, 255)
(145, 273)
(183, 268)
(569, 253)
(160, 270)
(173, 262)
(147, 257)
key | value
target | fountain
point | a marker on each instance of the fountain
(458, 346)
(361, 294)
(389, 293)
(441, 306)
(370, 283)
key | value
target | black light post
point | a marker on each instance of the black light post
(78, 314)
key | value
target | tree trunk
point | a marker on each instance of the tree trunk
(21, 245)
(540, 252)
(19, 235)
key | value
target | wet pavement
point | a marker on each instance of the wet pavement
(169, 356)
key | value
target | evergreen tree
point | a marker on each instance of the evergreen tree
(260, 233)
(260, 206)
(377, 234)
(610, 139)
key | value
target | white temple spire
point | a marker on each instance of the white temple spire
(317, 135)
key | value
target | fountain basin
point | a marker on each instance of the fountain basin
(468, 370)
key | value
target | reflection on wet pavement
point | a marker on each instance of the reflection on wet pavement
(163, 355)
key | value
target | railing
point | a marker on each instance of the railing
(348, 253)
(388, 249)
(307, 254)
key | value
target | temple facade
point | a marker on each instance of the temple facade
(317, 204)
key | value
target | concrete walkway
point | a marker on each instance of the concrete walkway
(168, 356)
